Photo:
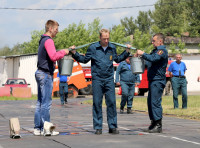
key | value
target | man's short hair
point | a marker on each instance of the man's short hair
(50, 23)
(178, 54)
(160, 36)
(103, 31)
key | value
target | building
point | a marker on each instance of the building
(24, 66)
(191, 44)
(20, 66)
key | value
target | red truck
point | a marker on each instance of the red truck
(143, 87)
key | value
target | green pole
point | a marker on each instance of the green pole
(118, 44)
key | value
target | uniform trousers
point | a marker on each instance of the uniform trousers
(128, 91)
(100, 87)
(154, 99)
(179, 84)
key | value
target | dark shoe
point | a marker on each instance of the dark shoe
(65, 102)
(157, 128)
(98, 132)
(113, 131)
(151, 126)
(121, 111)
(129, 111)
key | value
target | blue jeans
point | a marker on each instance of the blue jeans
(45, 86)
(63, 91)
(128, 91)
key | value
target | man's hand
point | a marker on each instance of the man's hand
(139, 53)
(198, 79)
(118, 84)
(66, 51)
(137, 84)
(73, 49)
(128, 47)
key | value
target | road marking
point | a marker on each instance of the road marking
(185, 140)
(174, 138)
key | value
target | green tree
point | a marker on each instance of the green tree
(143, 21)
(5, 51)
(93, 29)
(172, 47)
(129, 25)
(142, 41)
(78, 35)
(170, 16)
(32, 45)
(194, 17)
(118, 35)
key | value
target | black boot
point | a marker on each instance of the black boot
(66, 96)
(151, 126)
(129, 111)
(113, 131)
(121, 110)
(157, 128)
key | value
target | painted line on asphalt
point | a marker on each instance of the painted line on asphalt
(174, 138)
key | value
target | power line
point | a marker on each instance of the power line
(128, 7)
(89, 9)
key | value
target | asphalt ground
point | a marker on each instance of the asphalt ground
(75, 124)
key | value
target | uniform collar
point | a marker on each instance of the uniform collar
(97, 44)
(161, 47)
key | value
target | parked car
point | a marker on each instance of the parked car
(18, 87)
(16, 82)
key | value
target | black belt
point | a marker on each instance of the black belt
(179, 76)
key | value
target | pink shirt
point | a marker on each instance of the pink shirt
(51, 50)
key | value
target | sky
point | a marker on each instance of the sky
(17, 25)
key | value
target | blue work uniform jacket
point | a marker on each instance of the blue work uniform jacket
(101, 61)
(126, 75)
(156, 63)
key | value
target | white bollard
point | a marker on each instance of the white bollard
(14, 128)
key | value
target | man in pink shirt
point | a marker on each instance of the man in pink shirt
(47, 56)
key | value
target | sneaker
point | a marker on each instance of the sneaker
(98, 131)
(37, 132)
(46, 133)
(54, 133)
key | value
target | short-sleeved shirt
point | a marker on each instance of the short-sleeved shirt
(175, 68)
(63, 78)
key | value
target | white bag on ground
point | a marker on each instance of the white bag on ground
(14, 128)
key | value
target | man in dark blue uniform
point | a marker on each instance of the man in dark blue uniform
(102, 54)
(156, 62)
(128, 80)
